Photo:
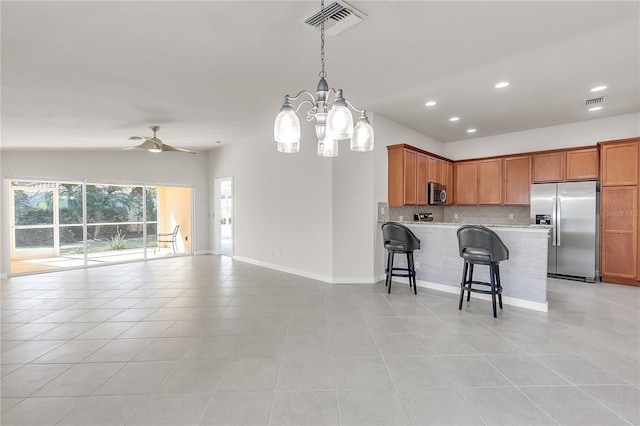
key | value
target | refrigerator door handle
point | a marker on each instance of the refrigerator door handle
(559, 219)
(554, 222)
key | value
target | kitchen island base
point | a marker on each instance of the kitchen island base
(523, 276)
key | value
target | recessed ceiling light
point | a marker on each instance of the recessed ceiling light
(430, 103)
(471, 130)
(218, 142)
(454, 119)
(598, 88)
(596, 108)
(502, 85)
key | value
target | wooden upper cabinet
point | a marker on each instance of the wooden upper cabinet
(517, 180)
(583, 164)
(408, 172)
(549, 167)
(401, 176)
(619, 163)
(410, 175)
(490, 181)
(435, 170)
(447, 180)
(422, 179)
(466, 180)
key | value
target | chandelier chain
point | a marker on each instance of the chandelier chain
(323, 74)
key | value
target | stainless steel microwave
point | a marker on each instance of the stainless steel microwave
(437, 193)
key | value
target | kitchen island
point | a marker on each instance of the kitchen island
(523, 276)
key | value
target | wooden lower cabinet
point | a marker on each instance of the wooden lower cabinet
(619, 234)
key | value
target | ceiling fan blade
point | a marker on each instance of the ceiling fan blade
(154, 144)
(166, 147)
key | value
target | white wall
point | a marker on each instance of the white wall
(118, 167)
(282, 203)
(354, 212)
(566, 136)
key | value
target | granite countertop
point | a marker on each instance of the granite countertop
(488, 225)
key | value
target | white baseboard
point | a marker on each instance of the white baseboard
(511, 301)
(283, 269)
(353, 280)
(199, 252)
(323, 278)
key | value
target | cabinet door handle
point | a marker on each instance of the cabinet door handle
(559, 219)
(554, 221)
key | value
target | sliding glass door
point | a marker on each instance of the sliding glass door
(73, 224)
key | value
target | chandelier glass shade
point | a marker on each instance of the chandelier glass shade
(334, 120)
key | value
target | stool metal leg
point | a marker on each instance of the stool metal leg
(409, 270)
(463, 283)
(492, 273)
(499, 285)
(390, 270)
(387, 271)
(470, 281)
(412, 272)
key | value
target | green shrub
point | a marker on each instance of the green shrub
(118, 241)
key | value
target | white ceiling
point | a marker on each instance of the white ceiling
(87, 75)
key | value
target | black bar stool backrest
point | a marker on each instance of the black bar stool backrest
(478, 243)
(398, 237)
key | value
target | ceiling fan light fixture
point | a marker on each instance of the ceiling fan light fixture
(155, 145)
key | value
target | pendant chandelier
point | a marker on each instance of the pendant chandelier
(334, 121)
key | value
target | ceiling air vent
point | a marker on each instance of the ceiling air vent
(338, 16)
(595, 101)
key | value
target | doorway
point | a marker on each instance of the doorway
(224, 216)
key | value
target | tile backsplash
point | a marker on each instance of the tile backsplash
(487, 215)
(407, 212)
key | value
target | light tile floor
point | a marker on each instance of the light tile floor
(206, 340)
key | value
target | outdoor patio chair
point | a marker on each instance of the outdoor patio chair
(167, 237)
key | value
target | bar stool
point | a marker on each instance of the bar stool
(481, 246)
(399, 239)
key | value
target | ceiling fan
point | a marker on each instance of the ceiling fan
(153, 144)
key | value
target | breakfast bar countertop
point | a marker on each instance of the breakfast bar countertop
(459, 224)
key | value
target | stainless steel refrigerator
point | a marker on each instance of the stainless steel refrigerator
(572, 209)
